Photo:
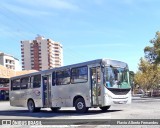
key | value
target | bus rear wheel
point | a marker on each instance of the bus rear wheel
(31, 106)
(105, 108)
(80, 105)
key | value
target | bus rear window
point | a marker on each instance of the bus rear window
(15, 84)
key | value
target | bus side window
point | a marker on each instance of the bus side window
(79, 75)
(15, 84)
(63, 77)
(24, 83)
(36, 81)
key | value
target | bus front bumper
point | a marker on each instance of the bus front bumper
(116, 100)
(119, 101)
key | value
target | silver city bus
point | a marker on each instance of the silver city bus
(97, 83)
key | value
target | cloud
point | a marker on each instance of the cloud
(23, 10)
(38, 7)
(128, 2)
(99, 2)
(9, 32)
(55, 4)
(60, 4)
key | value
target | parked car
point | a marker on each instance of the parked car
(156, 93)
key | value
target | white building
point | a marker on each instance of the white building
(9, 61)
(41, 54)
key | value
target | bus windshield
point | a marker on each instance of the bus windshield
(117, 77)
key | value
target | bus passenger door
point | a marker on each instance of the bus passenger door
(95, 85)
(46, 90)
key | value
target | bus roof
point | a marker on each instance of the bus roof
(108, 62)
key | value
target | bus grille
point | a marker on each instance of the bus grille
(118, 91)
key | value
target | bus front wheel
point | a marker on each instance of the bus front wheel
(31, 106)
(80, 105)
(105, 108)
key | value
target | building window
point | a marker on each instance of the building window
(63, 77)
(6, 61)
(79, 75)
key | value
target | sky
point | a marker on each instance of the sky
(87, 29)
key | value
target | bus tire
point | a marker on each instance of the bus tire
(80, 106)
(31, 106)
(105, 108)
(55, 109)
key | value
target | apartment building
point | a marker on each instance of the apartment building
(9, 62)
(41, 54)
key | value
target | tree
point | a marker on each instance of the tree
(152, 53)
(148, 76)
(131, 78)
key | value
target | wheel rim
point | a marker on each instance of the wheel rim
(31, 105)
(80, 105)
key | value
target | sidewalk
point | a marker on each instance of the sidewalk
(141, 97)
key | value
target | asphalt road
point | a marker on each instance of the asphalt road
(141, 108)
